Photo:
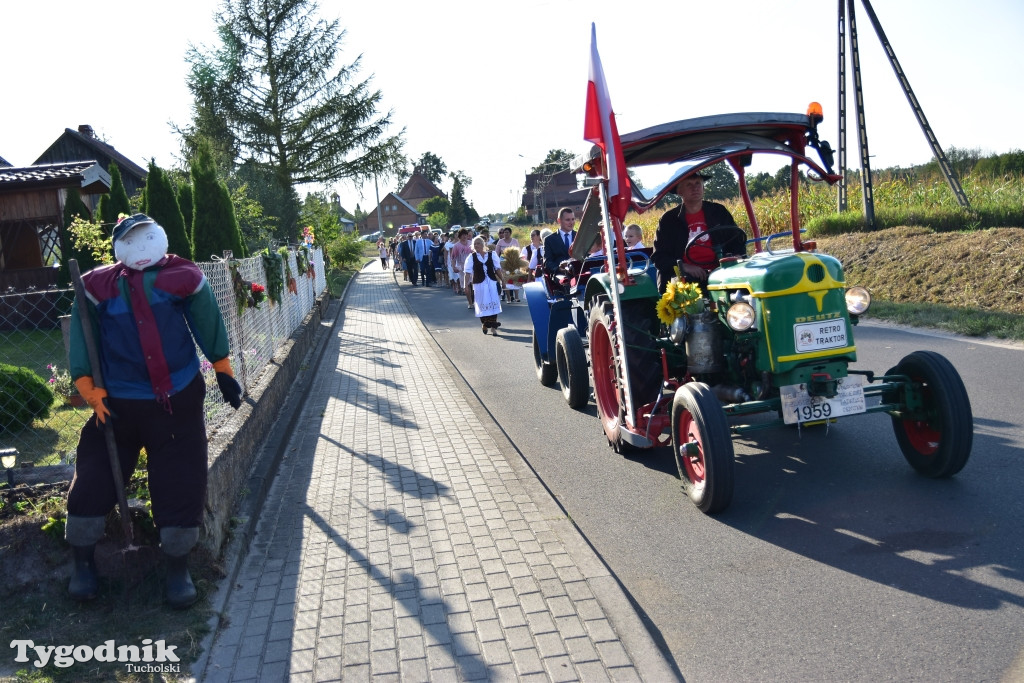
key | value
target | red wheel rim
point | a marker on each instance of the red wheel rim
(693, 465)
(603, 363)
(922, 436)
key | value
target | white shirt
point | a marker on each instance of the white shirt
(468, 265)
(536, 256)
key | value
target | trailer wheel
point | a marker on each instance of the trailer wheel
(545, 371)
(571, 361)
(605, 362)
(935, 436)
(702, 447)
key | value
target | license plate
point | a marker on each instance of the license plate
(799, 406)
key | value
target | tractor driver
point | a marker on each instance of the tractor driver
(679, 225)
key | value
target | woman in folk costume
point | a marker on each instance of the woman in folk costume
(148, 311)
(483, 269)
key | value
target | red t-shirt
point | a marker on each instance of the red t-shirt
(701, 253)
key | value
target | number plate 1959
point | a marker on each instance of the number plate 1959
(799, 406)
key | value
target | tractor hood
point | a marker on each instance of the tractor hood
(773, 274)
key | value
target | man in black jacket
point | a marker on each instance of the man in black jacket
(677, 226)
(556, 246)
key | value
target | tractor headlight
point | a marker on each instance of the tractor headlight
(740, 316)
(858, 300)
(678, 329)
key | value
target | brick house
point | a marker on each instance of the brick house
(546, 193)
(401, 208)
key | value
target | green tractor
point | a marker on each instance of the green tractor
(770, 332)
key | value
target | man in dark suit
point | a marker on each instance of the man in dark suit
(556, 246)
(407, 252)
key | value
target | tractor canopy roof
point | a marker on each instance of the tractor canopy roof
(685, 147)
(673, 151)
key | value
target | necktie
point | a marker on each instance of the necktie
(566, 239)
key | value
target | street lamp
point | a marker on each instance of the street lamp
(9, 458)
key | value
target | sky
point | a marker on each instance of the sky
(490, 88)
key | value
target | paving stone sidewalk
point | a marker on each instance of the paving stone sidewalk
(404, 538)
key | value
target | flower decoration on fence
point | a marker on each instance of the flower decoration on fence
(60, 382)
(308, 236)
(680, 298)
(247, 294)
(288, 277)
(272, 262)
(304, 262)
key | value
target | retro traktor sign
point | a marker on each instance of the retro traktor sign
(149, 657)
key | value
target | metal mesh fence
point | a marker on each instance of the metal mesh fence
(33, 336)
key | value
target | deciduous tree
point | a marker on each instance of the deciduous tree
(431, 167)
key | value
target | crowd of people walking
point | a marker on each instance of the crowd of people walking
(469, 263)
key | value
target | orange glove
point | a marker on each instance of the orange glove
(224, 365)
(94, 396)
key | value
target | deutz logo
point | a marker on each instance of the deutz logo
(813, 318)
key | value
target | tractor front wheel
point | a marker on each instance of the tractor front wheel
(545, 371)
(571, 361)
(935, 430)
(702, 447)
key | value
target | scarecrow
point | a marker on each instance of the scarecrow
(147, 312)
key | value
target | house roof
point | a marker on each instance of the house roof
(87, 175)
(418, 188)
(403, 202)
(103, 148)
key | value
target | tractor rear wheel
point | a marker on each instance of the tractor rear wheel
(606, 353)
(935, 436)
(702, 447)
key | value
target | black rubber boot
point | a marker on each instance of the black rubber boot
(83, 585)
(176, 543)
(181, 592)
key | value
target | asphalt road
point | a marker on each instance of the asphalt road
(835, 560)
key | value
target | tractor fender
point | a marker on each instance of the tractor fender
(548, 314)
(643, 287)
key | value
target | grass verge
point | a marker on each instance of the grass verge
(966, 322)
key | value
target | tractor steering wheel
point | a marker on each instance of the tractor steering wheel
(728, 232)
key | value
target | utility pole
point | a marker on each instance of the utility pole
(847, 17)
(376, 191)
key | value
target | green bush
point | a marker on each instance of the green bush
(346, 251)
(24, 396)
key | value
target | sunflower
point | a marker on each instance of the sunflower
(680, 298)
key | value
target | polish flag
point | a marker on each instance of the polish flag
(599, 128)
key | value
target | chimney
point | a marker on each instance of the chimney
(86, 130)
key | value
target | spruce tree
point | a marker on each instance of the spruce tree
(214, 227)
(187, 208)
(457, 213)
(162, 206)
(274, 92)
(115, 202)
